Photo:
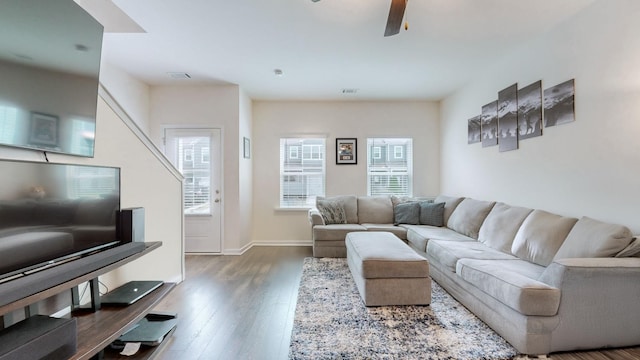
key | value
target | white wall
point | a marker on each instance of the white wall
(587, 167)
(273, 120)
(245, 175)
(215, 107)
(129, 92)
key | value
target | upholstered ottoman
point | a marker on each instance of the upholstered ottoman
(386, 270)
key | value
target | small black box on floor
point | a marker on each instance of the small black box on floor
(39, 337)
(131, 222)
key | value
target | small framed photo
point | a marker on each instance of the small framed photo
(246, 148)
(346, 151)
(44, 129)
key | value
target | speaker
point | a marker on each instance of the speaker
(39, 337)
(131, 224)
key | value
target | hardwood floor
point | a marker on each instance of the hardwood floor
(242, 307)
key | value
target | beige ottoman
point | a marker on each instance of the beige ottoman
(386, 270)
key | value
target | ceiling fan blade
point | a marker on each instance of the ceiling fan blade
(396, 13)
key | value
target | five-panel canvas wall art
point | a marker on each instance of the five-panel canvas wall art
(520, 114)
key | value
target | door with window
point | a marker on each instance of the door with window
(196, 154)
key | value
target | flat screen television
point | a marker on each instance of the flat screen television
(50, 213)
(50, 54)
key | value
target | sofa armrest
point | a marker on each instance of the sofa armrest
(599, 301)
(315, 218)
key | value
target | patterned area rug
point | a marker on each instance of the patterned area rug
(331, 322)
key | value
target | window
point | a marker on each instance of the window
(390, 166)
(302, 178)
(188, 155)
(398, 150)
(377, 152)
(8, 124)
(205, 152)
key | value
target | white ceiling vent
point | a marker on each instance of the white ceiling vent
(179, 75)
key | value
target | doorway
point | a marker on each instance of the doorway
(196, 154)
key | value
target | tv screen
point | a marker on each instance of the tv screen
(50, 212)
(49, 66)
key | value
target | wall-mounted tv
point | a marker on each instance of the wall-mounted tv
(52, 212)
(49, 66)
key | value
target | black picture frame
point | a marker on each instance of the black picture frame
(44, 130)
(346, 151)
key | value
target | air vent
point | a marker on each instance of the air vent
(179, 75)
(349, 91)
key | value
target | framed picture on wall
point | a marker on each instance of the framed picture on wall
(44, 129)
(346, 151)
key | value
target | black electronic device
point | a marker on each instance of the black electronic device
(148, 332)
(39, 337)
(130, 292)
(50, 213)
(131, 224)
(50, 54)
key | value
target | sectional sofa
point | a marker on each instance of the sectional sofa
(546, 283)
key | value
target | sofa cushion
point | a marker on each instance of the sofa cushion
(501, 226)
(419, 235)
(332, 212)
(431, 213)
(350, 203)
(398, 231)
(520, 292)
(407, 213)
(334, 232)
(375, 210)
(447, 253)
(469, 216)
(593, 238)
(395, 199)
(540, 236)
(632, 250)
(450, 204)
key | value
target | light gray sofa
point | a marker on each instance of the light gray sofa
(361, 213)
(544, 282)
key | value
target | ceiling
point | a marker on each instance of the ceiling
(323, 47)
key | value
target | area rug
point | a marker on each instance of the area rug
(331, 322)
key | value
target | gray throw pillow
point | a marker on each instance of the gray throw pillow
(431, 213)
(407, 213)
(332, 212)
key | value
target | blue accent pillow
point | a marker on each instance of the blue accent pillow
(407, 213)
(432, 213)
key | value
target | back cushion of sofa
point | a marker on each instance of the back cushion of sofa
(450, 204)
(593, 238)
(375, 210)
(469, 216)
(350, 204)
(501, 226)
(540, 236)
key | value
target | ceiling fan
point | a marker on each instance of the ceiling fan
(394, 21)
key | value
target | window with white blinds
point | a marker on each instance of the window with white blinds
(302, 171)
(86, 182)
(390, 166)
(193, 163)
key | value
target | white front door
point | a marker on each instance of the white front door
(196, 154)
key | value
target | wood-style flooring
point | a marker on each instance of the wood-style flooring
(242, 307)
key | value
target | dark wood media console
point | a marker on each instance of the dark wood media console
(98, 329)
